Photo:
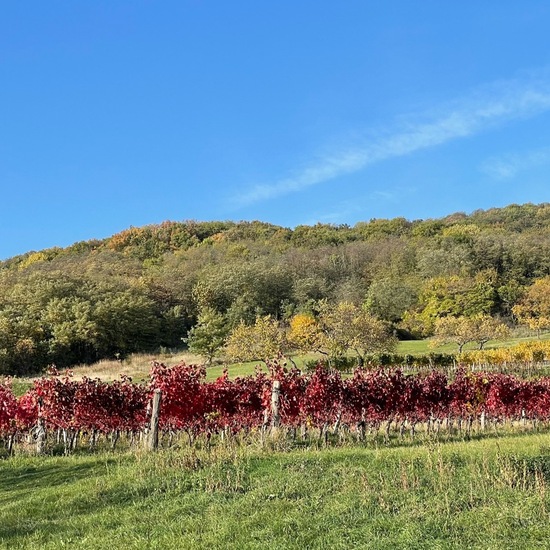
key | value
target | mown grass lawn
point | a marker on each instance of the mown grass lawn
(418, 347)
(490, 493)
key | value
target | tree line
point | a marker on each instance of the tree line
(151, 287)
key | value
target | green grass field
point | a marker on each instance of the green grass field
(404, 347)
(417, 347)
(489, 493)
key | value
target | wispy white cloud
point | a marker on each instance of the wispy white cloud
(486, 108)
(385, 195)
(345, 210)
(508, 166)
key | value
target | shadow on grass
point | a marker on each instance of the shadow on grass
(43, 500)
(29, 477)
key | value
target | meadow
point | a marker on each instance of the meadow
(483, 493)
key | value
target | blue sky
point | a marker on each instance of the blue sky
(125, 113)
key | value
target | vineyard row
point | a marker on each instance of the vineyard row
(317, 400)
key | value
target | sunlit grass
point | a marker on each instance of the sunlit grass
(491, 493)
(137, 366)
(422, 347)
(247, 368)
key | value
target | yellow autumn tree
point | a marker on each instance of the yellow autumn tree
(261, 341)
(304, 334)
(462, 330)
(533, 309)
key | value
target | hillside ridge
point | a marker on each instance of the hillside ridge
(172, 236)
(143, 289)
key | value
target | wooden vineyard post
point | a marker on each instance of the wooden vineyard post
(275, 398)
(153, 439)
(40, 431)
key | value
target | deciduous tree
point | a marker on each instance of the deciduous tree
(461, 330)
(533, 309)
(263, 340)
(208, 336)
(347, 328)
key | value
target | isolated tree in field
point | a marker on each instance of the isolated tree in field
(533, 309)
(453, 330)
(346, 328)
(462, 330)
(263, 340)
(485, 328)
(208, 336)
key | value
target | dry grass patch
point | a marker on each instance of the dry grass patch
(137, 366)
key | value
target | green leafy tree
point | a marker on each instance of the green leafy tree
(72, 328)
(244, 289)
(389, 299)
(128, 322)
(263, 340)
(208, 336)
(457, 296)
(510, 294)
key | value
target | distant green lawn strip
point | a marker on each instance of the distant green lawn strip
(404, 347)
(422, 347)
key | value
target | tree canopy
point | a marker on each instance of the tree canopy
(145, 288)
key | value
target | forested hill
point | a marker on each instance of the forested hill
(143, 288)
